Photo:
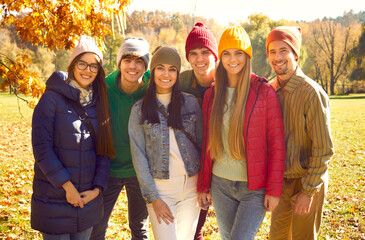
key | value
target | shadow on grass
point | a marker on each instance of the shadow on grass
(351, 96)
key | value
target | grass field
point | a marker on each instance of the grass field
(344, 213)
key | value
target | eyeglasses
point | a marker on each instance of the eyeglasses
(81, 65)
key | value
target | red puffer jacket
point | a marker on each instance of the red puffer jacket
(264, 139)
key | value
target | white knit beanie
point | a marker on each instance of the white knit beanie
(135, 45)
(86, 44)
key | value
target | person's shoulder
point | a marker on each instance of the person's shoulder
(312, 86)
(261, 82)
(138, 104)
(189, 99)
(188, 96)
(186, 73)
(185, 77)
(111, 78)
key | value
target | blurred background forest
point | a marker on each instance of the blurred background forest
(333, 50)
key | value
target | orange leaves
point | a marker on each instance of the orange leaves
(58, 24)
(18, 77)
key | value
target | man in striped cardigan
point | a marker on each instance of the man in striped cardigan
(306, 113)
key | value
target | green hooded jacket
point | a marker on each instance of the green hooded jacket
(120, 106)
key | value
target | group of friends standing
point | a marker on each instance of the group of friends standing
(180, 142)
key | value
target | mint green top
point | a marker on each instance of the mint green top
(226, 166)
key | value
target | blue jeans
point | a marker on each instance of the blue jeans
(137, 211)
(84, 235)
(239, 211)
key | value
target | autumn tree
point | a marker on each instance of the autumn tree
(356, 58)
(329, 43)
(258, 28)
(54, 25)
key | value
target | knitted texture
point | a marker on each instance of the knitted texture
(201, 36)
(165, 55)
(86, 44)
(235, 37)
(134, 45)
(290, 35)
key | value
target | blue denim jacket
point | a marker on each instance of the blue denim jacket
(150, 145)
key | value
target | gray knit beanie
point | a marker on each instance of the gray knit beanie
(135, 45)
(165, 55)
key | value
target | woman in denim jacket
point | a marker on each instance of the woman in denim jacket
(165, 129)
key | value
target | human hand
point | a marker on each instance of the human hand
(89, 195)
(72, 195)
(204, 200)
(162, 211)
(271, 203)
(303, 203)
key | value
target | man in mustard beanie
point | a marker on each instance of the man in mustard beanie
(201, 51)
(309, 148)
(125, 86)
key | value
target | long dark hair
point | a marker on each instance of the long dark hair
(150, 106)
(104, 142)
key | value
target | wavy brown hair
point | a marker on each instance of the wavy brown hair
(104, 141)
(236, 140)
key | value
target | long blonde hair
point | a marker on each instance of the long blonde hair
(237, 119)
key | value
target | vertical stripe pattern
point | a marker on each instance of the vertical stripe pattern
(306, 113)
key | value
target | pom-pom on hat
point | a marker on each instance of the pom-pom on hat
(235, 37)
(134, 45)
(165, 55)
(290, 35)
(86, 44)
(201, 36)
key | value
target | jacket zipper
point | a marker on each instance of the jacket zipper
(248, 123)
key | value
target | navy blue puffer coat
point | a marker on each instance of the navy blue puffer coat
(63, 150)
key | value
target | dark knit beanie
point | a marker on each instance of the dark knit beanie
(290, 35)
(201, 36)
(165, 55)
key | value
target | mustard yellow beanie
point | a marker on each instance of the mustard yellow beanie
(235, 37)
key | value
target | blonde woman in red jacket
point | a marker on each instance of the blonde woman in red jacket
(243, 151)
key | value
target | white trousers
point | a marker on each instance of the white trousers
(180, 194)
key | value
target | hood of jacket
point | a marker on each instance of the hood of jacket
(57, 83)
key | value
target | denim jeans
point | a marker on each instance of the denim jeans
(137, 211)
(239, 211)
(84, 235)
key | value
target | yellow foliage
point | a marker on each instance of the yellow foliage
(55, 24)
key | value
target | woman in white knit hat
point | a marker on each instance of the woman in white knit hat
(72, 144)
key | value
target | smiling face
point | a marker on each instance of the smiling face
(202, 61)
(132, 69)
(233, 61)
(282, 59)
(165, 77)
(85, 77)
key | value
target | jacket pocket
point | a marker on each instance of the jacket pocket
(189, 121)
(152, 130)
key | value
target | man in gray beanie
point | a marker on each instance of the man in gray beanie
(125, 86)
